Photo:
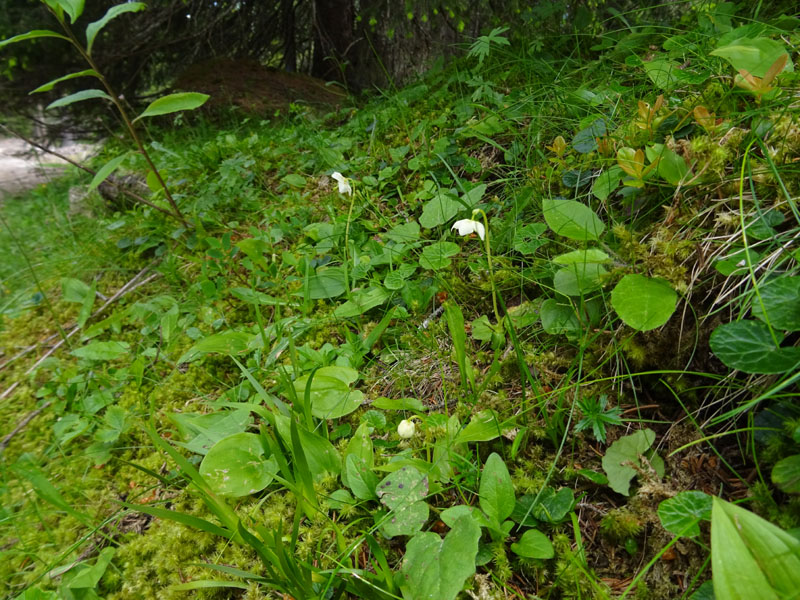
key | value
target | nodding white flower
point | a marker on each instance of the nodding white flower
(468, 226)
(406, 429)
(344, 187)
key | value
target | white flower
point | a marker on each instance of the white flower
(344, 187)
(468, 226)
(406, 429)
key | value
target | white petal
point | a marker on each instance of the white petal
(468, 226)
(480, 230)
(344, 187)
(406, 429)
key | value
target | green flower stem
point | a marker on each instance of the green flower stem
(347, 239)
(489, 261)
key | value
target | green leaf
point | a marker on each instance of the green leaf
(671, 166)
(440, 209)
(496, 490)
(51, 84)
(786, 474)
(32, 35)
(412, 404)
(587, 255)
(174, 103)
(78, 97)
(396, 280)
(437, 255)
(403, 233)
(751, 557)
(327, 283)
(74, 290)
(74, 8)
(228, 342)
(643, 303)
(559, 318)
(436, 569)
(106, 170)
(529, 238)
(403, 493)
(553, 506)
(534, 544)
(662, 72)
(579, 279)
(331, 396)
(482, 427)
(294, 180)
(682, 513)
(102, 350)
(236, 466)
(607, 182)
(89, 577)
(749, 347)
(252, 296)
(360, 478)
(754, 55)
(781, 301)
(572, 219)
(362, 301)
(360, 445)
(94, 28)
(629, 449)
(585, 140)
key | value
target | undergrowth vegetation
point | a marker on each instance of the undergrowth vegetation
(523, 329)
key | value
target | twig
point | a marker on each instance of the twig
(21, 425)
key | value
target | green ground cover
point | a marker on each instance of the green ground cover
(537, 341)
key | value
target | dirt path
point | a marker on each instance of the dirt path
(23, 167)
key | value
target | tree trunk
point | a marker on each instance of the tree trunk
(333, 39)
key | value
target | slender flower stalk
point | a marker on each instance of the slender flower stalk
(346, 188)
(472, 225)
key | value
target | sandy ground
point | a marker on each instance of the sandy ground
(23, 167)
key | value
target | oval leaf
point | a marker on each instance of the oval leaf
(174, 103)
(533, 544)
(572, 219)
(235, 466)
(78, 97)
(643, 303)
(749, 347)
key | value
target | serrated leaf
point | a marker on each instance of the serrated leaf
(682, 513)
(749, 347)
(172, 103)
(643, 303)
(781, 303)
(437, 255)
(572, 219)
(94, 28)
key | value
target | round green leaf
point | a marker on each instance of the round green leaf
(236, 466)
(682, 514)
(572, 219)
(533, 544)
(781, 302)
(579, 279)
(643, 303)
(749, 347)
(786, 474)
(437, 255)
